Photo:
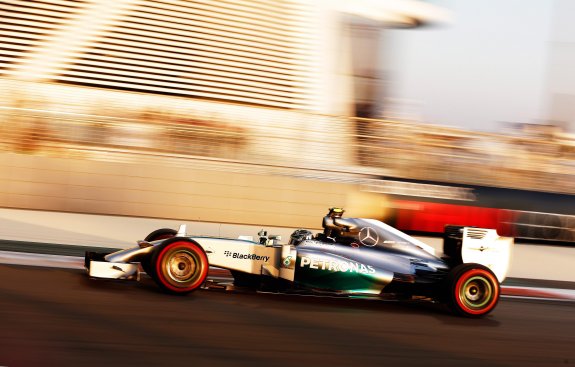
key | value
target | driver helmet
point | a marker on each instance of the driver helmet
(335, 212)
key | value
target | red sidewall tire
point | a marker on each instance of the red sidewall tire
(461, 276)
(158, 234)
(181, 246)
(490, 303)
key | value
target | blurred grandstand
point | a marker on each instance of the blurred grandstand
(53, 120)
(178, 83)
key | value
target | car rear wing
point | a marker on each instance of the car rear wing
(478, 245)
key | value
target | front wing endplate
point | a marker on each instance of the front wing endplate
(110, 270)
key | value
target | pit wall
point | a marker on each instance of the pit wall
(166, 190)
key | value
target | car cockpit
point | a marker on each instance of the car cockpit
(335, 228)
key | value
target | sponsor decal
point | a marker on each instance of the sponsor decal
(314, 242)
(368, 236)
(237, 255)
(336, 265)
(287, 261)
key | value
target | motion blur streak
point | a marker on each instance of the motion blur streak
(55, 53)
(244, 112)
(48, 118)
(260, 113)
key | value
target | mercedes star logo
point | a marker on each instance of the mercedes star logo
(368, 237)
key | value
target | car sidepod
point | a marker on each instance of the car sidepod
(359, 269)
(322, 266)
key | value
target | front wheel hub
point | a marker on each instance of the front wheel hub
(181, 266)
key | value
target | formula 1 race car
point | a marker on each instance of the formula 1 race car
(352, 256)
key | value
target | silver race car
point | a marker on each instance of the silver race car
(352, 256)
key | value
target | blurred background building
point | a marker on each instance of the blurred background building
(292, 54)
(251, 112)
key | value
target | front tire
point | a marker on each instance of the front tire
(180, 266)
(158, 234)
(472, 290)
(161, 234)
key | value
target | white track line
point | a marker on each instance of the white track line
(540, 293)
(538, 298)
(52, 261)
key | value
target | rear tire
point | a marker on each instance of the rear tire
(180, 266)
(472, 290)
(158, 234)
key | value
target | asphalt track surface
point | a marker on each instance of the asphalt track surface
(59, 317)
